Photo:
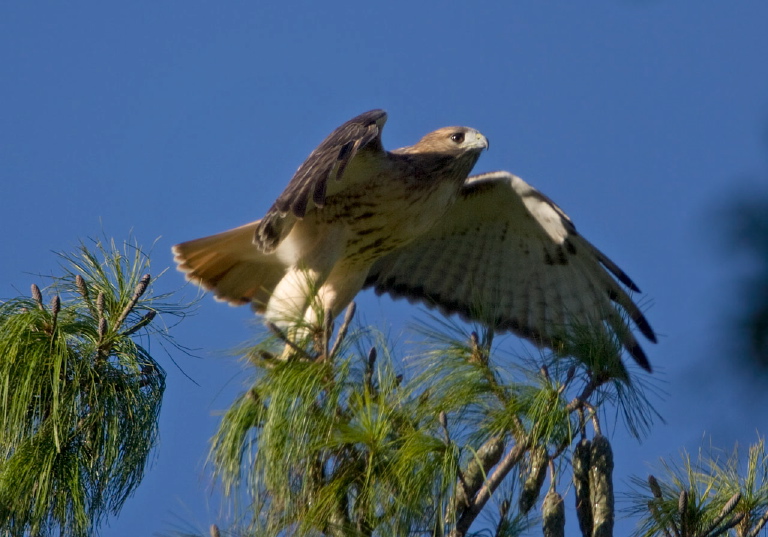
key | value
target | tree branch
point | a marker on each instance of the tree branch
(468, 516)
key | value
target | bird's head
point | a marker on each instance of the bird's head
(450, 151)
(453, 141)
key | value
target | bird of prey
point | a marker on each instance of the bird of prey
(411, 223)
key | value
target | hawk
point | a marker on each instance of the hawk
(412, 223)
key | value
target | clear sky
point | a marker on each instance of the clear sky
(175, 120)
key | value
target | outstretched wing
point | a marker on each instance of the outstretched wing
(315, 178)
(507, 256)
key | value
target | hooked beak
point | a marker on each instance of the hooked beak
(481, 142)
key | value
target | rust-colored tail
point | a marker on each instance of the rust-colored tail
(230, 265)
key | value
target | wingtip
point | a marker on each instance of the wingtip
(372, 116)
(645, 327)
(638, 354)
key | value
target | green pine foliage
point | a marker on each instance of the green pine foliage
(338, 435)
(79, 392)
(347, 439)
(715, 494)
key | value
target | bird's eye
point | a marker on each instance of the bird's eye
(457, 137)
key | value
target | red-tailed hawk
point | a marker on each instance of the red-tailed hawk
(410, 222)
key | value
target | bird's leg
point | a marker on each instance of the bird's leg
(338, 290)
(297, 305)
(290, 305)
(333, 295)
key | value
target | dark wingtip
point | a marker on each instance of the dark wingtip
(645, 327)
(371, 116)
(376, 113)
(615, 270)
(626, 280)
(636, 352)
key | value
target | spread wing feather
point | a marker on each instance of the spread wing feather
(231, 266)
(507, 256)
(315, 178)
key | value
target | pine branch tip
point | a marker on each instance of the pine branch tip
(82, 287)
(37, 296)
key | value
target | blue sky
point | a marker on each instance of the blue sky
(179, 119)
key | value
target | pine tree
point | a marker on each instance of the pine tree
(345, 438)
(80, 392)
(337, 442)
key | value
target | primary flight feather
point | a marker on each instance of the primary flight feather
(412, 223)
